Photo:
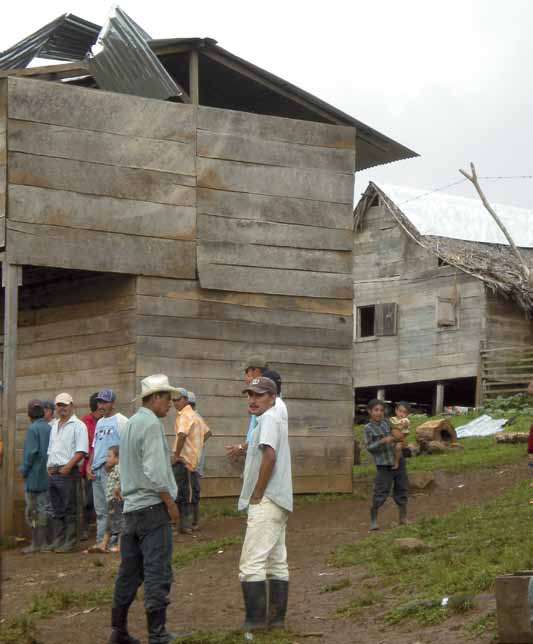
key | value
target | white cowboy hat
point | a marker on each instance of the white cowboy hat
(155, 384)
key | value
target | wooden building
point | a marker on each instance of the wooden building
(143, 236)
(438, 319)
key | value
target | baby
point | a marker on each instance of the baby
(399, 429)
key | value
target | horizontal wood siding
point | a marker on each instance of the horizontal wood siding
(201, 339)
(274, 205)
(75, 344)
(108, 179)
(389, 267)
(3, 161)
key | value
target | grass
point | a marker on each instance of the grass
(477, 453)
(468, 548)
(203, 550)
(479, 627)
(7, 542)
(338, 585)
(359, 604)
(216, 637)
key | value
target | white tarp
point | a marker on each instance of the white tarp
(482, 426)
(457, 217)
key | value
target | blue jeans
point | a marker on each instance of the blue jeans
(145, 551)
(100, 502)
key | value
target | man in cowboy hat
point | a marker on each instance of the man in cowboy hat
(149, 492)
(267, 496)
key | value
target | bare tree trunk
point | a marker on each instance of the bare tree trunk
(474, 180)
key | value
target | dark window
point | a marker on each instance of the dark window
(367, 318)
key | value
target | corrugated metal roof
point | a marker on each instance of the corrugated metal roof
(65, 38)
(123, 61)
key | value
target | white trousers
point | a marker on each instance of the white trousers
(264, 554)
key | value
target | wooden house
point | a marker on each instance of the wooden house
(146, 236)
(441, 312)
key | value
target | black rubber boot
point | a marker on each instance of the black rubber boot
(374, 519)
(255, 605)
(185, 519)
(196, 517)
(58, 532)
(402, 514)
(119, 624)
(157, 632)
(278, 596)
(71, 539)
(38, 541)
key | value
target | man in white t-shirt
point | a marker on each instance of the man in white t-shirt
(267, 496)
(107, 434)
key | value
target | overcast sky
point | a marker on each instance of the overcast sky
(451, 80)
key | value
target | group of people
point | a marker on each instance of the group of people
(139, 486)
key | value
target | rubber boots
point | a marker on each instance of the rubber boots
(119, 624)
(374, 519)
(185, 519)
(157, 632)
(38, 541)
(255, 605)
(71, 538)
(402, 514)
(196, 517)
(59, 530)
(278, 596)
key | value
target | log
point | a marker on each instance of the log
(441, 431)
(512, 437)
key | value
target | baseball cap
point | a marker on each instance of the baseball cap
(35, 404)
(275, 377)
(64, 399)
(258, 361)
(49, 404)
(191, 397)
(261, 386)
(183, 393)
(106, 395)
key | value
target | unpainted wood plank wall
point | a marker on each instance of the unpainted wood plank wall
(76, 344)
(3, 161)
(390, 267)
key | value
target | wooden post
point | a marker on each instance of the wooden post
(439, 398)
(380, 394)
(194, 77)
(11, 279)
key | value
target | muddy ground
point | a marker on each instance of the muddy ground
(206, 594)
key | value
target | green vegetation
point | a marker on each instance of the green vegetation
(359, 604)
(338, 585)
(481, 626)
(203, 550)
(468, 548)
(507, 406)
(7, 542)
(476, 453)
(219, 509)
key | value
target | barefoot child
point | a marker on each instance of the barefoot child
(399, 429)
(380, 444)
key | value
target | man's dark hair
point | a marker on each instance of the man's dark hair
(35, 409)
(93, 402)
(374, 403)
(403, 404)
(115, 449)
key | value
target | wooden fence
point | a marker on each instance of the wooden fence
(505, 370)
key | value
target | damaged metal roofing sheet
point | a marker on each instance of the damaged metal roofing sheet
(65, 38)
(122, 61)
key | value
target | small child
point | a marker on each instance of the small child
(115, 503)
(399, 430)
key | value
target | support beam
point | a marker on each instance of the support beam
(194, 77)
(439, 398)
(11, 277)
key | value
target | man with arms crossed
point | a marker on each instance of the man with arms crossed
(267, 495)
(149, 491)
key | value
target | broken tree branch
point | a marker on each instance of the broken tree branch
(473, 178)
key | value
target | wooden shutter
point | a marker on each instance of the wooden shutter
(386, 319)
(445, 312)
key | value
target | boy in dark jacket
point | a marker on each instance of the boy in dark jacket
(35, 475)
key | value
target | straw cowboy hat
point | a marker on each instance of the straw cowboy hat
(156, 384)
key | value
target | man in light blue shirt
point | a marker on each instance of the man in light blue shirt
(267, 496)
(149, 491)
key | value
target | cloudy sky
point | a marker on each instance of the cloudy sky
(452, 80)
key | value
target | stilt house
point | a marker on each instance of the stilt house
(442, 314)
(148, 236)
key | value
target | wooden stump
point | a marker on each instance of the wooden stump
(512, 437)
(440, 431)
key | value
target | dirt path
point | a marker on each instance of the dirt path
(206, 594)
